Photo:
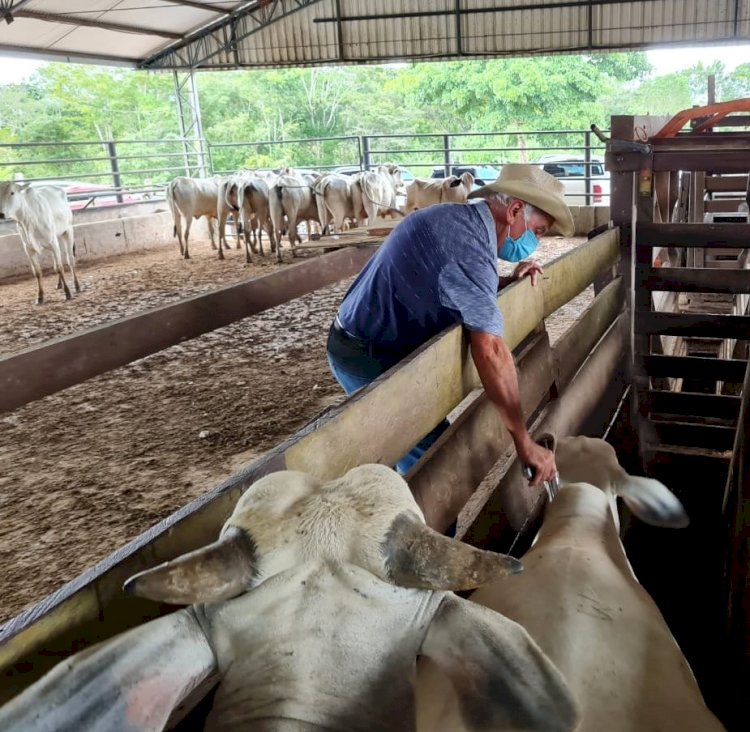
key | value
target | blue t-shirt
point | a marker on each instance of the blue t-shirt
(438, 267)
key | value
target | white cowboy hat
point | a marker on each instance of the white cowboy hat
(535, 186)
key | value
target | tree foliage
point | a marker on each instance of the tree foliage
(266, 112)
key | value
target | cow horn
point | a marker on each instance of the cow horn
(216, 572)
(418, 556)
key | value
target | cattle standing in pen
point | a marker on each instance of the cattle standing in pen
(579, 599)
(292, 197)
(333, 194)
(228, 202)
(191, 198)
(310, 609)
(45, 222)
(423, 192)
(254, 209)
(374, 193)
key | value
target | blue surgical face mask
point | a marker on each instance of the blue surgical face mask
(515, 250)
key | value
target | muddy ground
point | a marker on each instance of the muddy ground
(85, 470)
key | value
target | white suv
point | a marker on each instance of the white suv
(571, 170)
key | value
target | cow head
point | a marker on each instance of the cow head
(456, 190)
(9, 198)
(327, 642)
(594, 461)
(393, 173)
(368, 518)
(467, 180)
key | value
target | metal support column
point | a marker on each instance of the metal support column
(191, 130)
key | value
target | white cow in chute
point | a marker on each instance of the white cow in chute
(579, 599)
(311, 609)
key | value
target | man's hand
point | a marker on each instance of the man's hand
(528, 269)
(540, 459)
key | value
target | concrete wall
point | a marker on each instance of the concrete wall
(586, 218)
(101, 233)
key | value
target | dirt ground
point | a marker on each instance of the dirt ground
(85, 470)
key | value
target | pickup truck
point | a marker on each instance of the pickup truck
(571, 171)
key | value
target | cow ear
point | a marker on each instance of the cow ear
(651, 501)
(455, 182)
(216, 572)
(132, 682)
(481, 671)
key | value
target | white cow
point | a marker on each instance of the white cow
(228, 202)
(191, 198)
(333, 194)
(292, 197)
(253, 195)
(338, 586)
(423, 192)
(45, 221)
(374, 193)
(579, 599)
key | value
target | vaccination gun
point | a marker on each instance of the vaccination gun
(551, 486)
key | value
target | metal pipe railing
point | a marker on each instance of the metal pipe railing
(358, 151)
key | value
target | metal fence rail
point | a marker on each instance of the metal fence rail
(111, 172)
(103, 172)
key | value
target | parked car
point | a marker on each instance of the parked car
(571, 170)
(483, 174)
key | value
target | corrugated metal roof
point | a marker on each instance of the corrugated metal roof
(165, 34)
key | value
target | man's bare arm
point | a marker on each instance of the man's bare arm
(497, 371)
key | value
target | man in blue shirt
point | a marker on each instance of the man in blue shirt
(439, 267)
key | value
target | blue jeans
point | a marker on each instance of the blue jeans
(350, 382)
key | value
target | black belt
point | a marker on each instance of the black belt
(343, 333)
(354, 344)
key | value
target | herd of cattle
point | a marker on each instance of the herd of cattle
(331, 606)
(259, 201)
(278, 202)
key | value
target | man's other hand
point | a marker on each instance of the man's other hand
(528, 269)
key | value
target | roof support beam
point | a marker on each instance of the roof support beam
(214, 40)
(199, 6)
(546, 6)
(73, 20)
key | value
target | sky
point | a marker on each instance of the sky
(665, 61)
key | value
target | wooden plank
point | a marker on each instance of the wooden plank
(732, 158)
(736, 514)
(63, 362)
(581, 338)
(697, 183)
(510, 503)
(405, 404)
(697, 279)
(377, 424)
(719, 369)
(624, 182)
(694, 235)
(726, 183)
(706, 436)
(716, 406)
(456, 464)
(697, 325)
(723, 205)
